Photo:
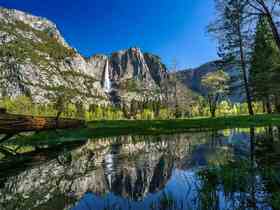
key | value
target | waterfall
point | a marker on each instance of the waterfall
(107, 82)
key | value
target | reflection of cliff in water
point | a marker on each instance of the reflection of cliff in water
(129, 167)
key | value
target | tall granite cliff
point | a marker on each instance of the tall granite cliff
(36, 61)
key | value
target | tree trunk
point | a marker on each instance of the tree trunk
(13, 124)
(57, 118)
(268, 106)
(213, 104)
(277, 104)
(264, 106)
(243, 68)
(213, 113)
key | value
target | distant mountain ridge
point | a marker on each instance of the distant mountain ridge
(191, 78)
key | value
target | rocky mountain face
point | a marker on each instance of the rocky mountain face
(36, 61)
(191, 78)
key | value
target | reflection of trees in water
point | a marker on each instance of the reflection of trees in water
(140, 167)
(231, 185)
(245, 183)
(129, 167)
(267, 154)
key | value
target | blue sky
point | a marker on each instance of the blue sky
(173, 30)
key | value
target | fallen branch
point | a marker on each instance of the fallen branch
(11, 124)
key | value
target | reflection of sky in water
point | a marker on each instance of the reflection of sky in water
(135, 174)
(182, 186)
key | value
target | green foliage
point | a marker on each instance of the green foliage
(265, 65)
(230, 178)
(24, 105)
(216, 84)
(147, 115)
(275, 200)
(242, 179)
(225, 108)
(165, 114)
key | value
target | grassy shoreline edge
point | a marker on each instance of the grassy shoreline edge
(193, 123)
(99, 129)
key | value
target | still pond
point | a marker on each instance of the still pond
(225, 169)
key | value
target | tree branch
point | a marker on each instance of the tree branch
(255, 7)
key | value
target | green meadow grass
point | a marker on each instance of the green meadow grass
(98, 129)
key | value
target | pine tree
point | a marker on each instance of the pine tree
(264, 65)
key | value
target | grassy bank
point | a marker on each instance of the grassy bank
(186, 124)
(97, 129)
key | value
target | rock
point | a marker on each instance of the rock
(36, 61)
(157, 69)
(191, 78)
(11, 16)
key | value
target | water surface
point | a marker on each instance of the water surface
(228, 169)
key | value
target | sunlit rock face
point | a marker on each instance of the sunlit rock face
(96, 66)
(132, 77)
(133, 64)
(36, 61)
(11, 16)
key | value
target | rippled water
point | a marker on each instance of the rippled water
(229, 169)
